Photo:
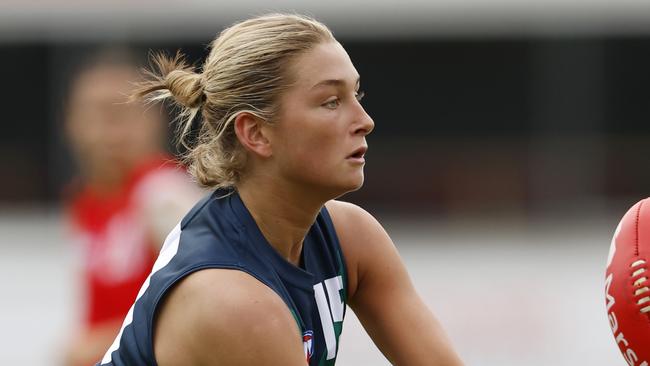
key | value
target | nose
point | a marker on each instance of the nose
(364, 124)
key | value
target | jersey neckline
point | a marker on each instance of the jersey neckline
(289, 272)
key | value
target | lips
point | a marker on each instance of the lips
(358, 153)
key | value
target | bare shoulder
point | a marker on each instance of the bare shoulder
(365, 244)
(220, 316)
(382, 294)
(348, 217)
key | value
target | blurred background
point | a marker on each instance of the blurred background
(510, 138)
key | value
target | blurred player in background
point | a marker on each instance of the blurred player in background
(260, 272)
(128, 194)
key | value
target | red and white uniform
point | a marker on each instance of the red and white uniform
(116, 234)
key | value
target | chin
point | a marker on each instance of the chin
(358, 184)
(334, 186)
(352, 184)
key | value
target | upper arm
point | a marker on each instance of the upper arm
(382, 294)
(225, 317)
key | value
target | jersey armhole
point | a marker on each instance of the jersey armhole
(340, 256)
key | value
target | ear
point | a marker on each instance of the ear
(251, 134)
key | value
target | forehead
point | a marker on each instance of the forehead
(326, 61)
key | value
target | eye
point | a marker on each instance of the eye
(359, 95)
(332, 104)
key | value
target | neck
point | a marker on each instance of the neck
(282, 213)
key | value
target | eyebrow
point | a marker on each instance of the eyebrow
(335, 82)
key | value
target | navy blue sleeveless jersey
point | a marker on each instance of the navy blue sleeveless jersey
(219, 232)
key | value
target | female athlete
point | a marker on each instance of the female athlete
(261, 271)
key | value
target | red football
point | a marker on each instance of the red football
(627, 285)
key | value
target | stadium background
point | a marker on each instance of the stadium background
(510, 138)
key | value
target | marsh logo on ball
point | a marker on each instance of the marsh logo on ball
(308, 344)
(627, 285)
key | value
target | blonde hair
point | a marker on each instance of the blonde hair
(246, 71)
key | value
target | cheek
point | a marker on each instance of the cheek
(310, 141)
(315, 145)
(317, 160)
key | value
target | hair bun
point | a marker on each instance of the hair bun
(186, 87)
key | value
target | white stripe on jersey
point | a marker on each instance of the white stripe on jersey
(168, 251)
